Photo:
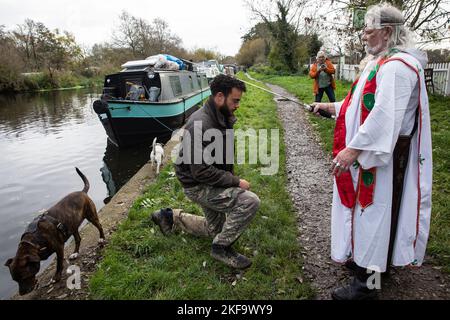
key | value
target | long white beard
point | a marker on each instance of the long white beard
(375, 51)
(364, 62)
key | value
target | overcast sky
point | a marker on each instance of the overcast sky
(212, 24)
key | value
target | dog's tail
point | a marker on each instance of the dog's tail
(154, 143)
(85, 180)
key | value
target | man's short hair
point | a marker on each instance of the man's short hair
(223, 83)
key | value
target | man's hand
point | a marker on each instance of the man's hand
(328, 107)
(244, 184)
(344, 160)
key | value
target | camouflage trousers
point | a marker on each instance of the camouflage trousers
(228, 212)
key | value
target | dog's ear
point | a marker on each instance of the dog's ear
(8, 262)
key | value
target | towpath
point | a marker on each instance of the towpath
(310, 185)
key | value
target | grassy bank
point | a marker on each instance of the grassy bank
(42, 81)
(140, 263)
(439, 242)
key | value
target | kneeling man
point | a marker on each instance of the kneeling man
(209, 181)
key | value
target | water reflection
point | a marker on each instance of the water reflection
(119, 165)
(43, 136)
(109, 181)
(43, 111)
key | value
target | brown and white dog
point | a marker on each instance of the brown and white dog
(48, 233)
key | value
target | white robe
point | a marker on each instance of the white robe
(396, 99)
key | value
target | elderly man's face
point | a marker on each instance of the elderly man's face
(321, 59)
(375, 39)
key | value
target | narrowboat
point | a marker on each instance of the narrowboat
(142, 102)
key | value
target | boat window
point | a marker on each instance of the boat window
(176, 85)
(204, 81)
(191, 81)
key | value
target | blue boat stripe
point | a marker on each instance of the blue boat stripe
(145, 110)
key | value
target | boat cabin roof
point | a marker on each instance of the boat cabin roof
(137, 64)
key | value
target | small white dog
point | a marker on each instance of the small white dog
(157, 154)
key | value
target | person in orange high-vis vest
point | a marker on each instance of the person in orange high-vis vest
(322, 72)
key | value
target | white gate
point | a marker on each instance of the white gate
(348, 72)
(441, 77)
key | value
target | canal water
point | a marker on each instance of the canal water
(43, 137)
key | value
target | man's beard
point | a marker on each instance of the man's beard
(225, 111)
(375, 51)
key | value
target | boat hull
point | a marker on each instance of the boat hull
(129, 123)
(125, 132)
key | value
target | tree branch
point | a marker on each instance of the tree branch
(416, 18)
(427, 19)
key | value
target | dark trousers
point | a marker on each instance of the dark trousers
(329, 91)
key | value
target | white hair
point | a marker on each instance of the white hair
(386, 15)
(321, 53)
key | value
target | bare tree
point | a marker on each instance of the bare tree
(126, 33)
(292, 34)
(43, 49)
(11, 64)
(270, 11)
(145, 39)
(428, 19)
(163, 39)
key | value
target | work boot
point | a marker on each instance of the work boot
(351, 265)
(230, 257)
(357, 289)
(164, 219)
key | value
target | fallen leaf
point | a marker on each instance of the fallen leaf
(204, 264)
(234, 283)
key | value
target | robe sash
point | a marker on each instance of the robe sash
(367, 178)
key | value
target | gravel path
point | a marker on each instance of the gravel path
(310, 186)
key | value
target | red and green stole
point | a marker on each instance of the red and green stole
(367, 178)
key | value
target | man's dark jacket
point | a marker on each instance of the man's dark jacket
(215, 174)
